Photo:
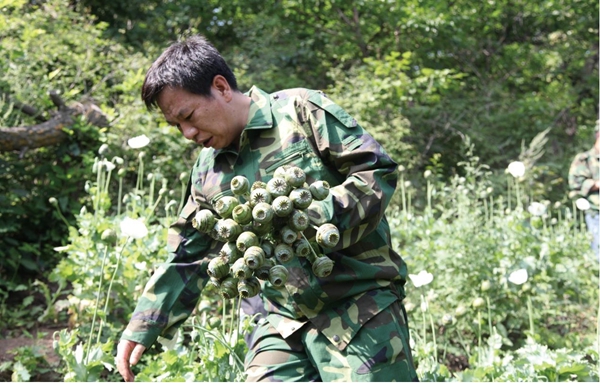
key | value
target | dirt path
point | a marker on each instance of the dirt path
(11, 343)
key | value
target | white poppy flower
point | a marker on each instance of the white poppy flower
(142, 266)
(518, 277)
(421, 279)
(537, 209)
(103, 149)
(516, 169)
(138, 142)
(108, 165)
(582, 204)
(134, 228)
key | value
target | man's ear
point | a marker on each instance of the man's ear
(222, 87)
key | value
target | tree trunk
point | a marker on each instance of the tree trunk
(35, 136)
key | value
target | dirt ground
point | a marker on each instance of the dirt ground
(10, 343)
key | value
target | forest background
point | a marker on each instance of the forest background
(441, 83)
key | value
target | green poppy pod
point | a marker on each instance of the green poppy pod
(478, 303)
(282, 206)
(284, 252)
(225, 205)
(230, 252)
(278, 275)
(246, 240)
(258, 185)
(268, 248)
(288, 235)
(280, 171)
(240, 270)
(319, 190)
(259, 195)
(214, 322)
(262, 213)
(109, 236)
(322, 266)
(301, 198)
(262, 272)
(278, 187)
(295, 176)
(218, 268)
(248, 287)
(240, 185)
(214, 232)
(228, 288)
(229, 230)
(254, 257)
(301, 248)
(203, 221)
(328, 235)
(215, 282)
(262, 229)
(205, 305)
(298, 220)
(242, 214)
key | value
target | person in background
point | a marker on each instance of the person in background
(348, 326)
(584, 182)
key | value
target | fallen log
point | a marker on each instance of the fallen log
(50, 132)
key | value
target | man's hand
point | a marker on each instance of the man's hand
(128, 354)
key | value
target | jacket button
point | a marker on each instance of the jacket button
(336, 338)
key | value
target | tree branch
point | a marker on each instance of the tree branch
(51, 132)
(27, 109)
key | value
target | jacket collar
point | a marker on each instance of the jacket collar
(259, 116)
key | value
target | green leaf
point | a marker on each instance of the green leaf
(20, 373)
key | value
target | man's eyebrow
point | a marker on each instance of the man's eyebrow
(179, 116)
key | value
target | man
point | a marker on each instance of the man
(350, 325)
(584, 182)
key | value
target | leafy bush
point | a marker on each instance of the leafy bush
(472, 249)
(504, 293)
(47, 46)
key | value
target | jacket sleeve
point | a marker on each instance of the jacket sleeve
(366, 172)
(173, 291)
(581, 179)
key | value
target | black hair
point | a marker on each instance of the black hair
(190, 64)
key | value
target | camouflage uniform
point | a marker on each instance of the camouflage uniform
(584, 172)
(350, 325)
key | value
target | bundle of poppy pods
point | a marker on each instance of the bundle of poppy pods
(262, 226)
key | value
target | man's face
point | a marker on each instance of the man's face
(204, 120)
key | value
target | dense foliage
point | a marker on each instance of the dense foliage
(446, 85)
(499, 290)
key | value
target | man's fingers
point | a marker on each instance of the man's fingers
(136, 354)
(128, 353)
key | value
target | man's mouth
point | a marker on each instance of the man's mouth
(207, 143)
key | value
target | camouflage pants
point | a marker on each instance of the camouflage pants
(379, 352)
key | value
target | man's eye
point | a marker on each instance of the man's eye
(189, 117)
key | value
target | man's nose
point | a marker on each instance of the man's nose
(188, 131)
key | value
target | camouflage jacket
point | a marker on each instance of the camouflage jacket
(584, 172)
(305, 128)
